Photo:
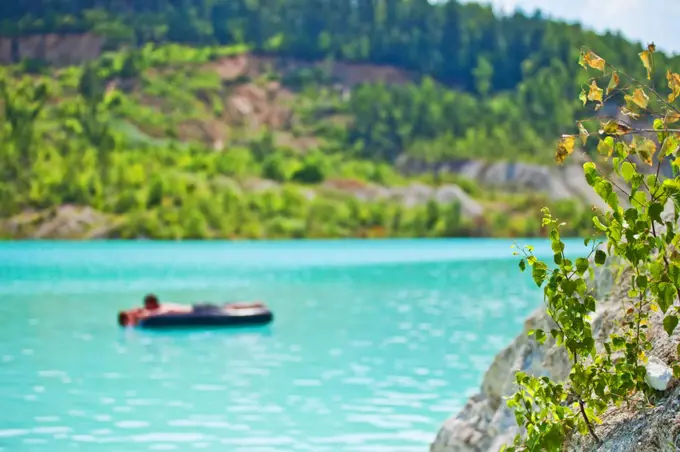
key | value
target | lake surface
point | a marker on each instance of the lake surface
(374, 343)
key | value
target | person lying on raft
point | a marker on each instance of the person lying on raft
(152, 306)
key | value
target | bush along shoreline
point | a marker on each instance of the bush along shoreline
(597, 367)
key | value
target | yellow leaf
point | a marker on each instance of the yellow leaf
(595, 93)
(565, 147)
(612, 127)
(613, 83)
(583, 133)
(595, 61)
(627, 112)
(654, 307)
(673, 84)
(606, 146)
(671, 117)
(644, 148)
(642, 357)
(640, 98)
(646, 57)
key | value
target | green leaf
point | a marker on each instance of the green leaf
(639, 199)
(590, 171)
(676, 371)
(522, 265)
(667, 295)
(598, 224)
(538, 273)
(655, 210)
(669, 323)
(641, 281)
(557, 246)
(583, 97)
(582, 265)
(540, 336)
(627, 171)
(600, 257)
(557, 258)
(618, 342)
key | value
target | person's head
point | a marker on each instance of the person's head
(151, 302)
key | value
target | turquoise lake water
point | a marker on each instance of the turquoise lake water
(374, 343)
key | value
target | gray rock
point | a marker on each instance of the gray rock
(453, 193)
(411, 195)
(558, 182)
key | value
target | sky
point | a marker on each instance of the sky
(639, 20)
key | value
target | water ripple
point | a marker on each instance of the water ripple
(369, 351)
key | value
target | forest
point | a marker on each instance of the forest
(125, 134)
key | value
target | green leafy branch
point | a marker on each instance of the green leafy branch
(639, 235)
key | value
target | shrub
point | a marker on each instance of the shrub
(637, 235)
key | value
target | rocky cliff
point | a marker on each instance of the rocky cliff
(486, 423)
(558, 182)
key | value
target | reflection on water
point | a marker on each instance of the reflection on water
(370, 349)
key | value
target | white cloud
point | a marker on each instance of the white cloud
(639, 20)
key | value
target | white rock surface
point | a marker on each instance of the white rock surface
(659, 375)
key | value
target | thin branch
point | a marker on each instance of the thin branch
(585, 418)
(638, 130)
(656, 178)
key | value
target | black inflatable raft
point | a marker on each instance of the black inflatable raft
(210, 315)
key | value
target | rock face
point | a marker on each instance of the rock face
(64, 222)
(564, 182)
(486, 423)
(410, 195)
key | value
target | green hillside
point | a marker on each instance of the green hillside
(282, 118)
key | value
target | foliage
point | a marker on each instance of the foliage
(119, 134)
(637, 235)
(463, 44)
(500, 81)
